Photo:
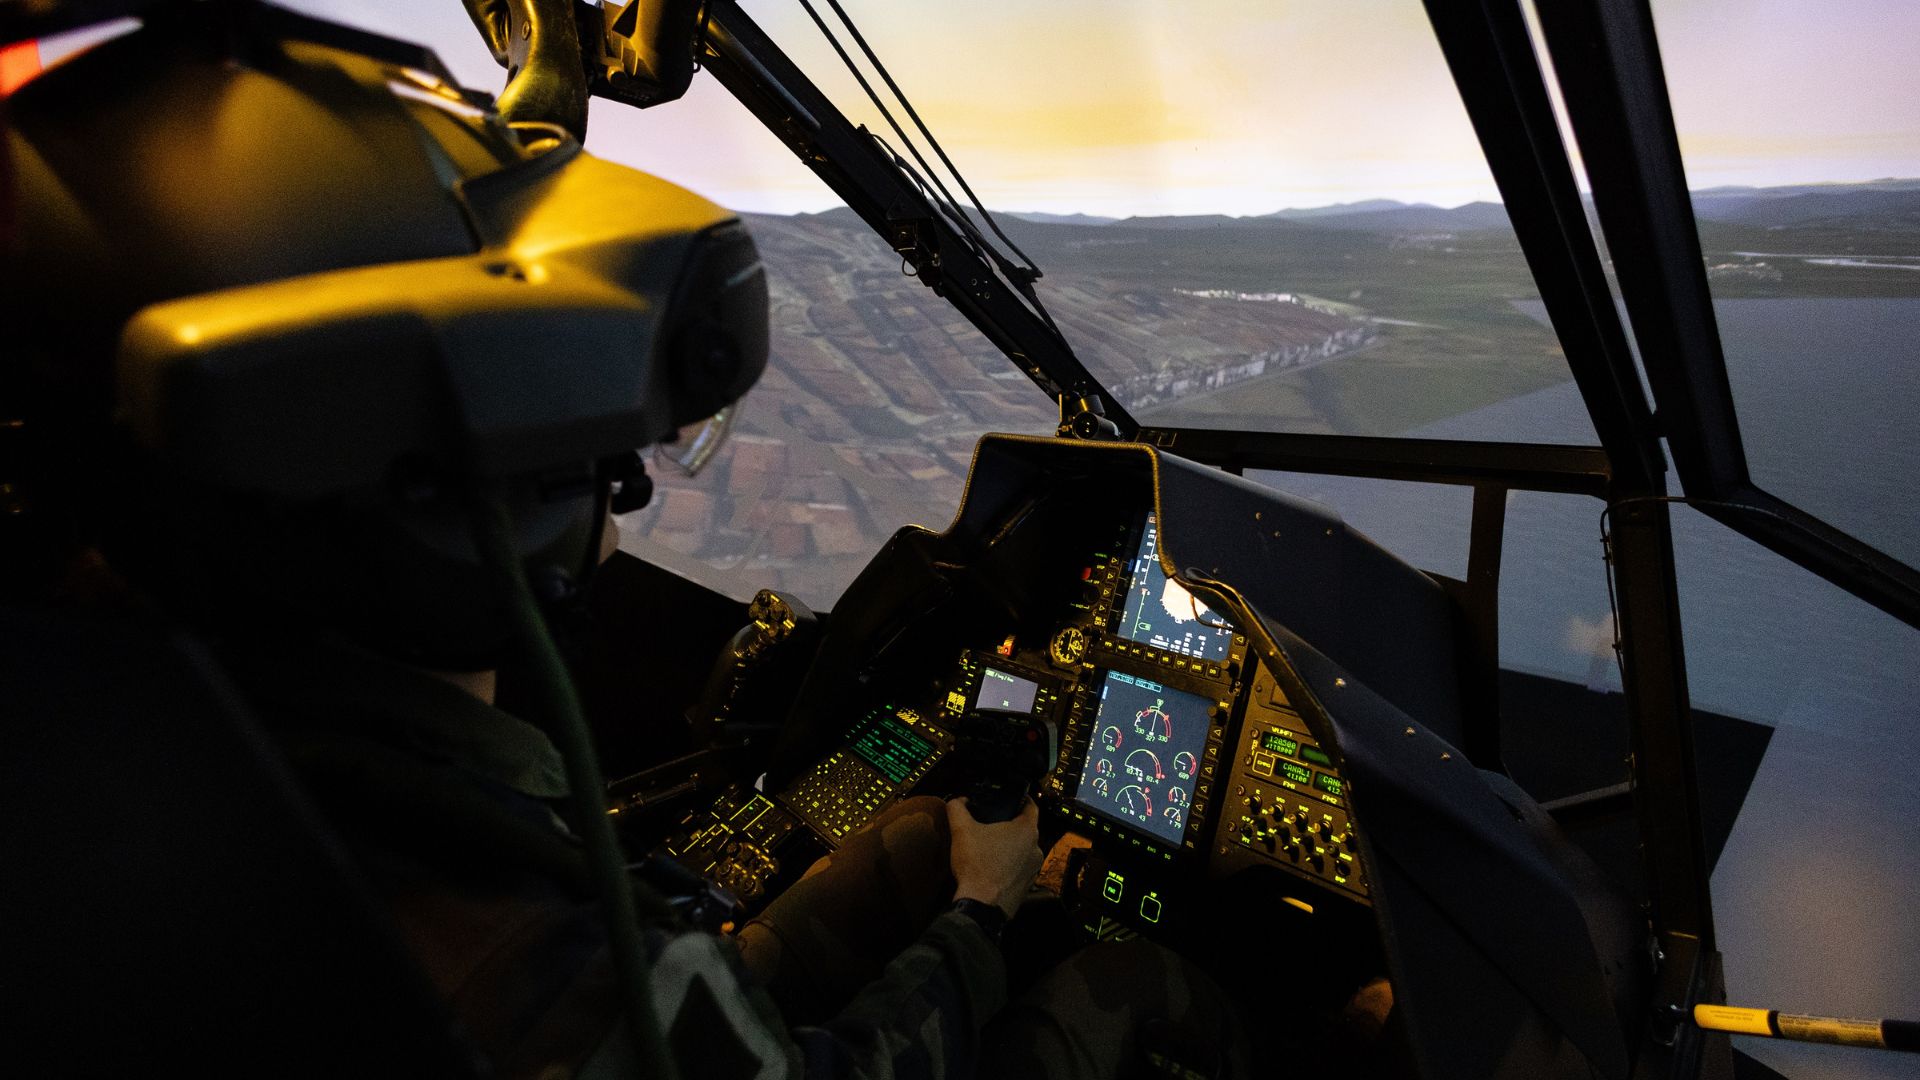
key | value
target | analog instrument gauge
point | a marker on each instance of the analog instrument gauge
(1174, 816)
(1185, 765)
(1103, 767)
(1135, 800)
(1068, 646)
(1110, 737)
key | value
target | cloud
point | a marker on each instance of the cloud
(1590, 639)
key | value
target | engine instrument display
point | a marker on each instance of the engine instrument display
(1160, 612)
(1141, 766)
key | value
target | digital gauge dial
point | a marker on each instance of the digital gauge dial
(1136, 801)
(1153, 724)
(1143, 765)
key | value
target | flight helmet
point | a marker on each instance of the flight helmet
(282, 303)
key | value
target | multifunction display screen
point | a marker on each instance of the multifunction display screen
(1160, 611)
(1001, 692)
(1145, 755)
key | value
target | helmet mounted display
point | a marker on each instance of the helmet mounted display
(327, 299)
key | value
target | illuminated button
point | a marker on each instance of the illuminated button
(1115, 887)
(1150, 907)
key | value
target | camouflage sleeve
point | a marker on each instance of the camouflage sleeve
(921, 1018)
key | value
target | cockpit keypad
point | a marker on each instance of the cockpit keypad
(838, 795)
(888, 751)
(1287, 806)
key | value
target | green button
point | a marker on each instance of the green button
(1116, 885)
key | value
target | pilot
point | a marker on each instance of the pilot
(262, 293)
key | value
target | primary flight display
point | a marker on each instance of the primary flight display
(1161, 613)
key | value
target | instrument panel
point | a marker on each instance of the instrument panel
(1179, 758)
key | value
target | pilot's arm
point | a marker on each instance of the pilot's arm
(923, 1016)
(920, 1017)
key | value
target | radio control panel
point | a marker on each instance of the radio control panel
(1286, 805)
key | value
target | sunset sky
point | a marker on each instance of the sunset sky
(1247, 106)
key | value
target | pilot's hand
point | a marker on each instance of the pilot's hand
(995, 863)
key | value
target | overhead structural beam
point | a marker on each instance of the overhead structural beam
(1579, 470)
(887, 197)
(1861, 569)
(1608, 63)
(1491, 55)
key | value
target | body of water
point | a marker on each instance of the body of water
(1828, 392)
(1813, 892)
